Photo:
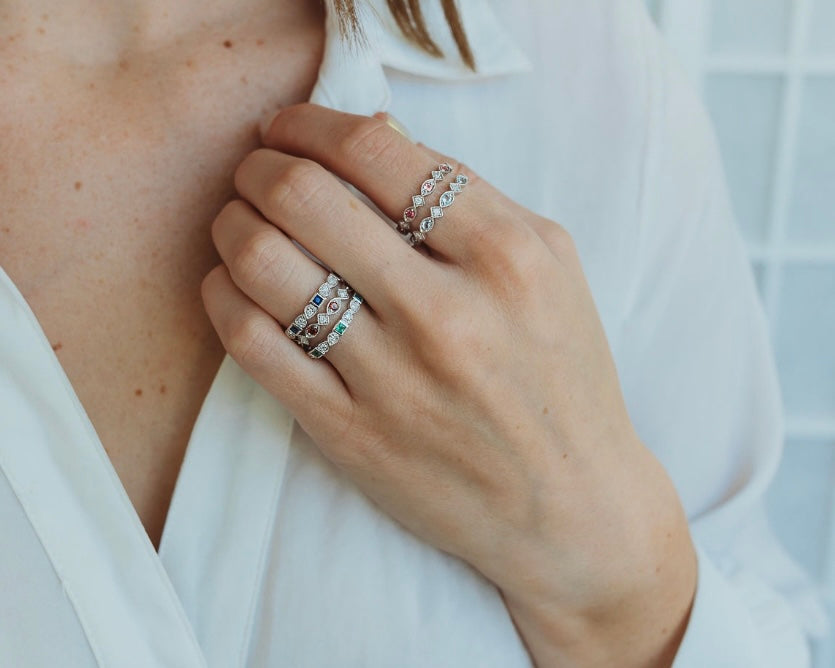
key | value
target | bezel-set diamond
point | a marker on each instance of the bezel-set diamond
(297, 330)
(410, 213)
(339, 329)
(435, 212)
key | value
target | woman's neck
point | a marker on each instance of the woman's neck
(101, 31)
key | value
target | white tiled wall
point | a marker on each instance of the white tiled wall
(766, 69)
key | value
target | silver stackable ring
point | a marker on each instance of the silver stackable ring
(299, 327)
(418, 236)
(339, 329)
(426, 188)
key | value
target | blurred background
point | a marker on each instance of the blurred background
(766, 71)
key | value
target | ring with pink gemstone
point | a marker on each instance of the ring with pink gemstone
(339, 329)
(343, 294)
(426, 225)
(426, 188)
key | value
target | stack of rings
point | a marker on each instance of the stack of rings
(426, 188)
(306, 327)
(309, 323)
(415, 237)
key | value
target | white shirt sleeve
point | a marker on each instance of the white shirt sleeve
(698, 373)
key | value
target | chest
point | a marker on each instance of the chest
(110, 177)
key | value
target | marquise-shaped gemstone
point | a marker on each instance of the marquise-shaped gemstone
(427, 224)
(447, 198)
(427, 187)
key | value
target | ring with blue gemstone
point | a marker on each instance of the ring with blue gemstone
(299, 330)
(339, 329)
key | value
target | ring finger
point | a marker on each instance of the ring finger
(265, 265)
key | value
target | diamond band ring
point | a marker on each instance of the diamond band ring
(338, 330)
(300, 326)
(426, 188)
(416, 237)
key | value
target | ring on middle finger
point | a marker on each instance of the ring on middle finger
(426, 188)
(418, 236)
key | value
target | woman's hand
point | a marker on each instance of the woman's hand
(474, 397)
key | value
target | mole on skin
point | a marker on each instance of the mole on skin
(228, 43)
(138, 392)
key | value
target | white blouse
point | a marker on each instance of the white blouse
(270, 556)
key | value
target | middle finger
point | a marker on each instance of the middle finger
(278, 277)
(308, 203)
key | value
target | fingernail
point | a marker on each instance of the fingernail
(267, 122)
(393, 122)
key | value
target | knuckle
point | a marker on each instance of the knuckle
(230, 212)
(258, 254)
(249, 342)
(249, 165)
(558, 239)
(210, 283)
(295, 186)
(503, 242)
(370, 140)
(511, 260)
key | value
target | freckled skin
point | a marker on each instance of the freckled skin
(105, 225)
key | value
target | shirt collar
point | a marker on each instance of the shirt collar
(352, 76)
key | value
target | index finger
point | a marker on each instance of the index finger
(389, 169)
